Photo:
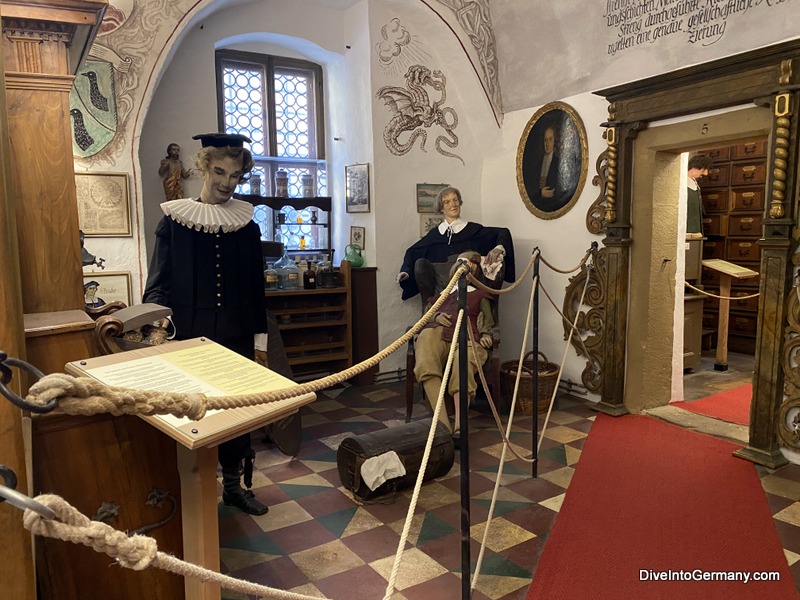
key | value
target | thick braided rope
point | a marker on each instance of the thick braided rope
(564, 318)
(86, 396)
(572, 270)
(489, 397)
(482, 286)
(137, 552)
(489, 517)
(710, 295)
(412, 506)
(590, 266)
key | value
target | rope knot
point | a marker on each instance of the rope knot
(136, 552)
(55, 387)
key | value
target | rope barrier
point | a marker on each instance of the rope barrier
(564, 272)
(85, 396)
(710, 295)
(425, 456)
(482, 286)
(137, 552)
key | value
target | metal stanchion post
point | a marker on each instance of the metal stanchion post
(463, 400)
(535, 374)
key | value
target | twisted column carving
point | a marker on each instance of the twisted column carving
(596, 214)
(611, 166)
(780, 154)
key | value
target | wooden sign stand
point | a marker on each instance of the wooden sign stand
(202, 366)
(728, 271)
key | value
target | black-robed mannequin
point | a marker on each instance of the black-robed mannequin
(452, 237)
(207, 267)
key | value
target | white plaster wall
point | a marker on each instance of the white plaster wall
(395, 177)
(563, 241)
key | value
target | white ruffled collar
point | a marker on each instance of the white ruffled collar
(194, 214)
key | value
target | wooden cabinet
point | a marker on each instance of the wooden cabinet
(316, 326)
(365, 321)
(734, 201)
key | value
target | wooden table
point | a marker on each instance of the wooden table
(197, 441)
(728, 272)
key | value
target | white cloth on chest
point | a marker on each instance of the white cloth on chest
(229, 216)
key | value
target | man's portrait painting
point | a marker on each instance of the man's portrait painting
(552, 160)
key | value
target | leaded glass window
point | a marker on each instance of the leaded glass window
(276, 102)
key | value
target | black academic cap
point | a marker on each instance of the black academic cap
(219, 140)
(90, 283)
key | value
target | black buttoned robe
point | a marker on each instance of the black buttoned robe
(214, 284)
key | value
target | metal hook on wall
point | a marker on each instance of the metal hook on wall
(11, 396)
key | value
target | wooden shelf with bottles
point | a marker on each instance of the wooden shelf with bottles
(315, 222)
(316, 325)
(733, 198)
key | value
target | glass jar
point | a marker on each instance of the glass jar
(281, 183)
(307, 185)
(270, 278)
(255, 184)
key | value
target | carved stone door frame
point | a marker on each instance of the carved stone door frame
(770, 78)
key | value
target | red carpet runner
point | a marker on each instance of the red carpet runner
(732, 406)
(648, 500)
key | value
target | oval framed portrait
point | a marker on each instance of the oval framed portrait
(552, 160)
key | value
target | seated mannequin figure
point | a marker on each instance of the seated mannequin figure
(426, 263)
(433, 343)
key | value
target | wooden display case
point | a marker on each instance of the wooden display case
(316, 325)
(733, 198)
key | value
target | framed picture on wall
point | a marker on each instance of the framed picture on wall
(552, 160)
(103, 204)
(358, 235)
(428, 222)
(100, 288)
(356, 179)
(426, 196)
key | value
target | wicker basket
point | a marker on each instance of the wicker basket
(548, 378)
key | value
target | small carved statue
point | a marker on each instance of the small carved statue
(172, 173)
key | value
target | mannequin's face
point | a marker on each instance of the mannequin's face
(451, 207)
(220, 180)
(697, 173)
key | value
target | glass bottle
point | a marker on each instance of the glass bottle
(302, 242)
(292, 277)
(270, 278)
(280, 268)
(309, 277)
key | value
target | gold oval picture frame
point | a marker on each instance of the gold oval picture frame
(552, 160)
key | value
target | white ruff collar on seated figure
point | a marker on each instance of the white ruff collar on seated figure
(194, 214)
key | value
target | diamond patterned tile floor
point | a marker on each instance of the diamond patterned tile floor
(317, 540)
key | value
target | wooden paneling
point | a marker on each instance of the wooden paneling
(109, 459)
(16, 568)
(46, 203)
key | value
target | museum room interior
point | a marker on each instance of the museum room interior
(660, 292)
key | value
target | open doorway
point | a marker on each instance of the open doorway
(656, 319)
(729, 182)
